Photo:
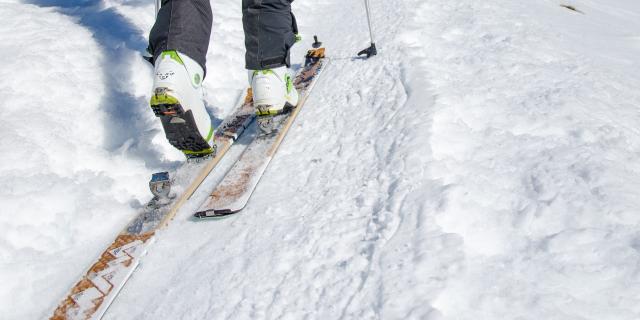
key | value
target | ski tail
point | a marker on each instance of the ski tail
(97, 288)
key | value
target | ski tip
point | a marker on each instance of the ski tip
(318, 53)
(213, 213)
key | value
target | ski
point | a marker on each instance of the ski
(95, 291)
(234, 191)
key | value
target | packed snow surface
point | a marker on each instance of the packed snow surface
(485, 165)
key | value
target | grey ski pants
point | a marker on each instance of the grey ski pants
(185, 26)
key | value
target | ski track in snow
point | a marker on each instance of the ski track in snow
(483, 166)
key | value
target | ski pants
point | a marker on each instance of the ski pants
(185, 26)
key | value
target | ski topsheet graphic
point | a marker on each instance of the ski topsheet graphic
(233, 193)
(92, 295)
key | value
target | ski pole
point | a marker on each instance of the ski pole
(371, 51)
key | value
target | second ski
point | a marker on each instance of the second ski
(234, 191)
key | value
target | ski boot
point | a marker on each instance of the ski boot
(273, 94)
(177, 100)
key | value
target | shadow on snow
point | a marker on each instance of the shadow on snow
(128, 127)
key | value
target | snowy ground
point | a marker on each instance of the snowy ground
(484, 166)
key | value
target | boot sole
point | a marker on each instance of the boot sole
(179, 126)
(267, 110)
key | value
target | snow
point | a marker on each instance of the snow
(61, 199)
(484, 165)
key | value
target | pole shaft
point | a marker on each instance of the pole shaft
(366, 5)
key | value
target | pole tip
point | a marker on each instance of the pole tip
(371, 51)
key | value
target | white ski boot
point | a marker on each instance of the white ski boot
(273, 94)
(273, 91)
(178, 101)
